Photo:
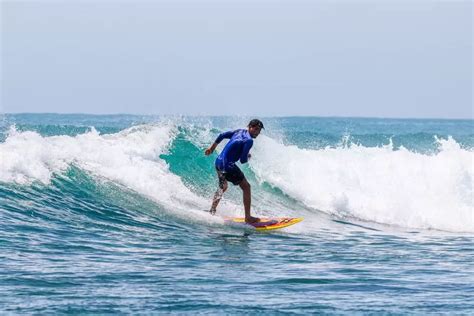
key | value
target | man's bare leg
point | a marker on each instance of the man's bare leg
(218, 196)
(245, 186)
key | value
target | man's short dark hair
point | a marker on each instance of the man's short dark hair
(256, 122)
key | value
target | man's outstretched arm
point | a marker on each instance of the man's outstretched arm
(219, 138)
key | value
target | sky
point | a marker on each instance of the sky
(401, 59)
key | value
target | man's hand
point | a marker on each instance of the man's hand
(211, 149)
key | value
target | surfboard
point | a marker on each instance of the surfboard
(265, 223)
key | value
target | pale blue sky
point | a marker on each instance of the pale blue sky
(267, 58)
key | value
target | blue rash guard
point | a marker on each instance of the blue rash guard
(236, 149)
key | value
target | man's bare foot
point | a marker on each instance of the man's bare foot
(213, 212)
(251, 219)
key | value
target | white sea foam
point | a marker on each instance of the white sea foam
(395, 187)
(130, 158)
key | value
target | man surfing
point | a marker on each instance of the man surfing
(237, 148)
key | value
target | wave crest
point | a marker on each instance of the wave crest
(380, 184)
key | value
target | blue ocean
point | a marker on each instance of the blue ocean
(103, 214)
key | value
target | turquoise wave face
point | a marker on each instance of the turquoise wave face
(102, 214)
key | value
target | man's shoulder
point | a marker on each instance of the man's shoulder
(239, 132)
(242, 135)
(236, 131)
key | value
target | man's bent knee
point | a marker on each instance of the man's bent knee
(245, 185)
(224, 187)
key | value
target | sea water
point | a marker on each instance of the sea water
(103, 214)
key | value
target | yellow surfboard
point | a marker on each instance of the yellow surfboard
(266, 223)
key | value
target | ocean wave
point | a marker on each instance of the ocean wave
(379, 184)
(164, 162)
(129, 157)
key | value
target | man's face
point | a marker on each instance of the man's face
(254, 131)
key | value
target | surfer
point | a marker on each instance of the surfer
(237, 148)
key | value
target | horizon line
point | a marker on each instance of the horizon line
(233, 115)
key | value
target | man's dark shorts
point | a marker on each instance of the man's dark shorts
(234, 175)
